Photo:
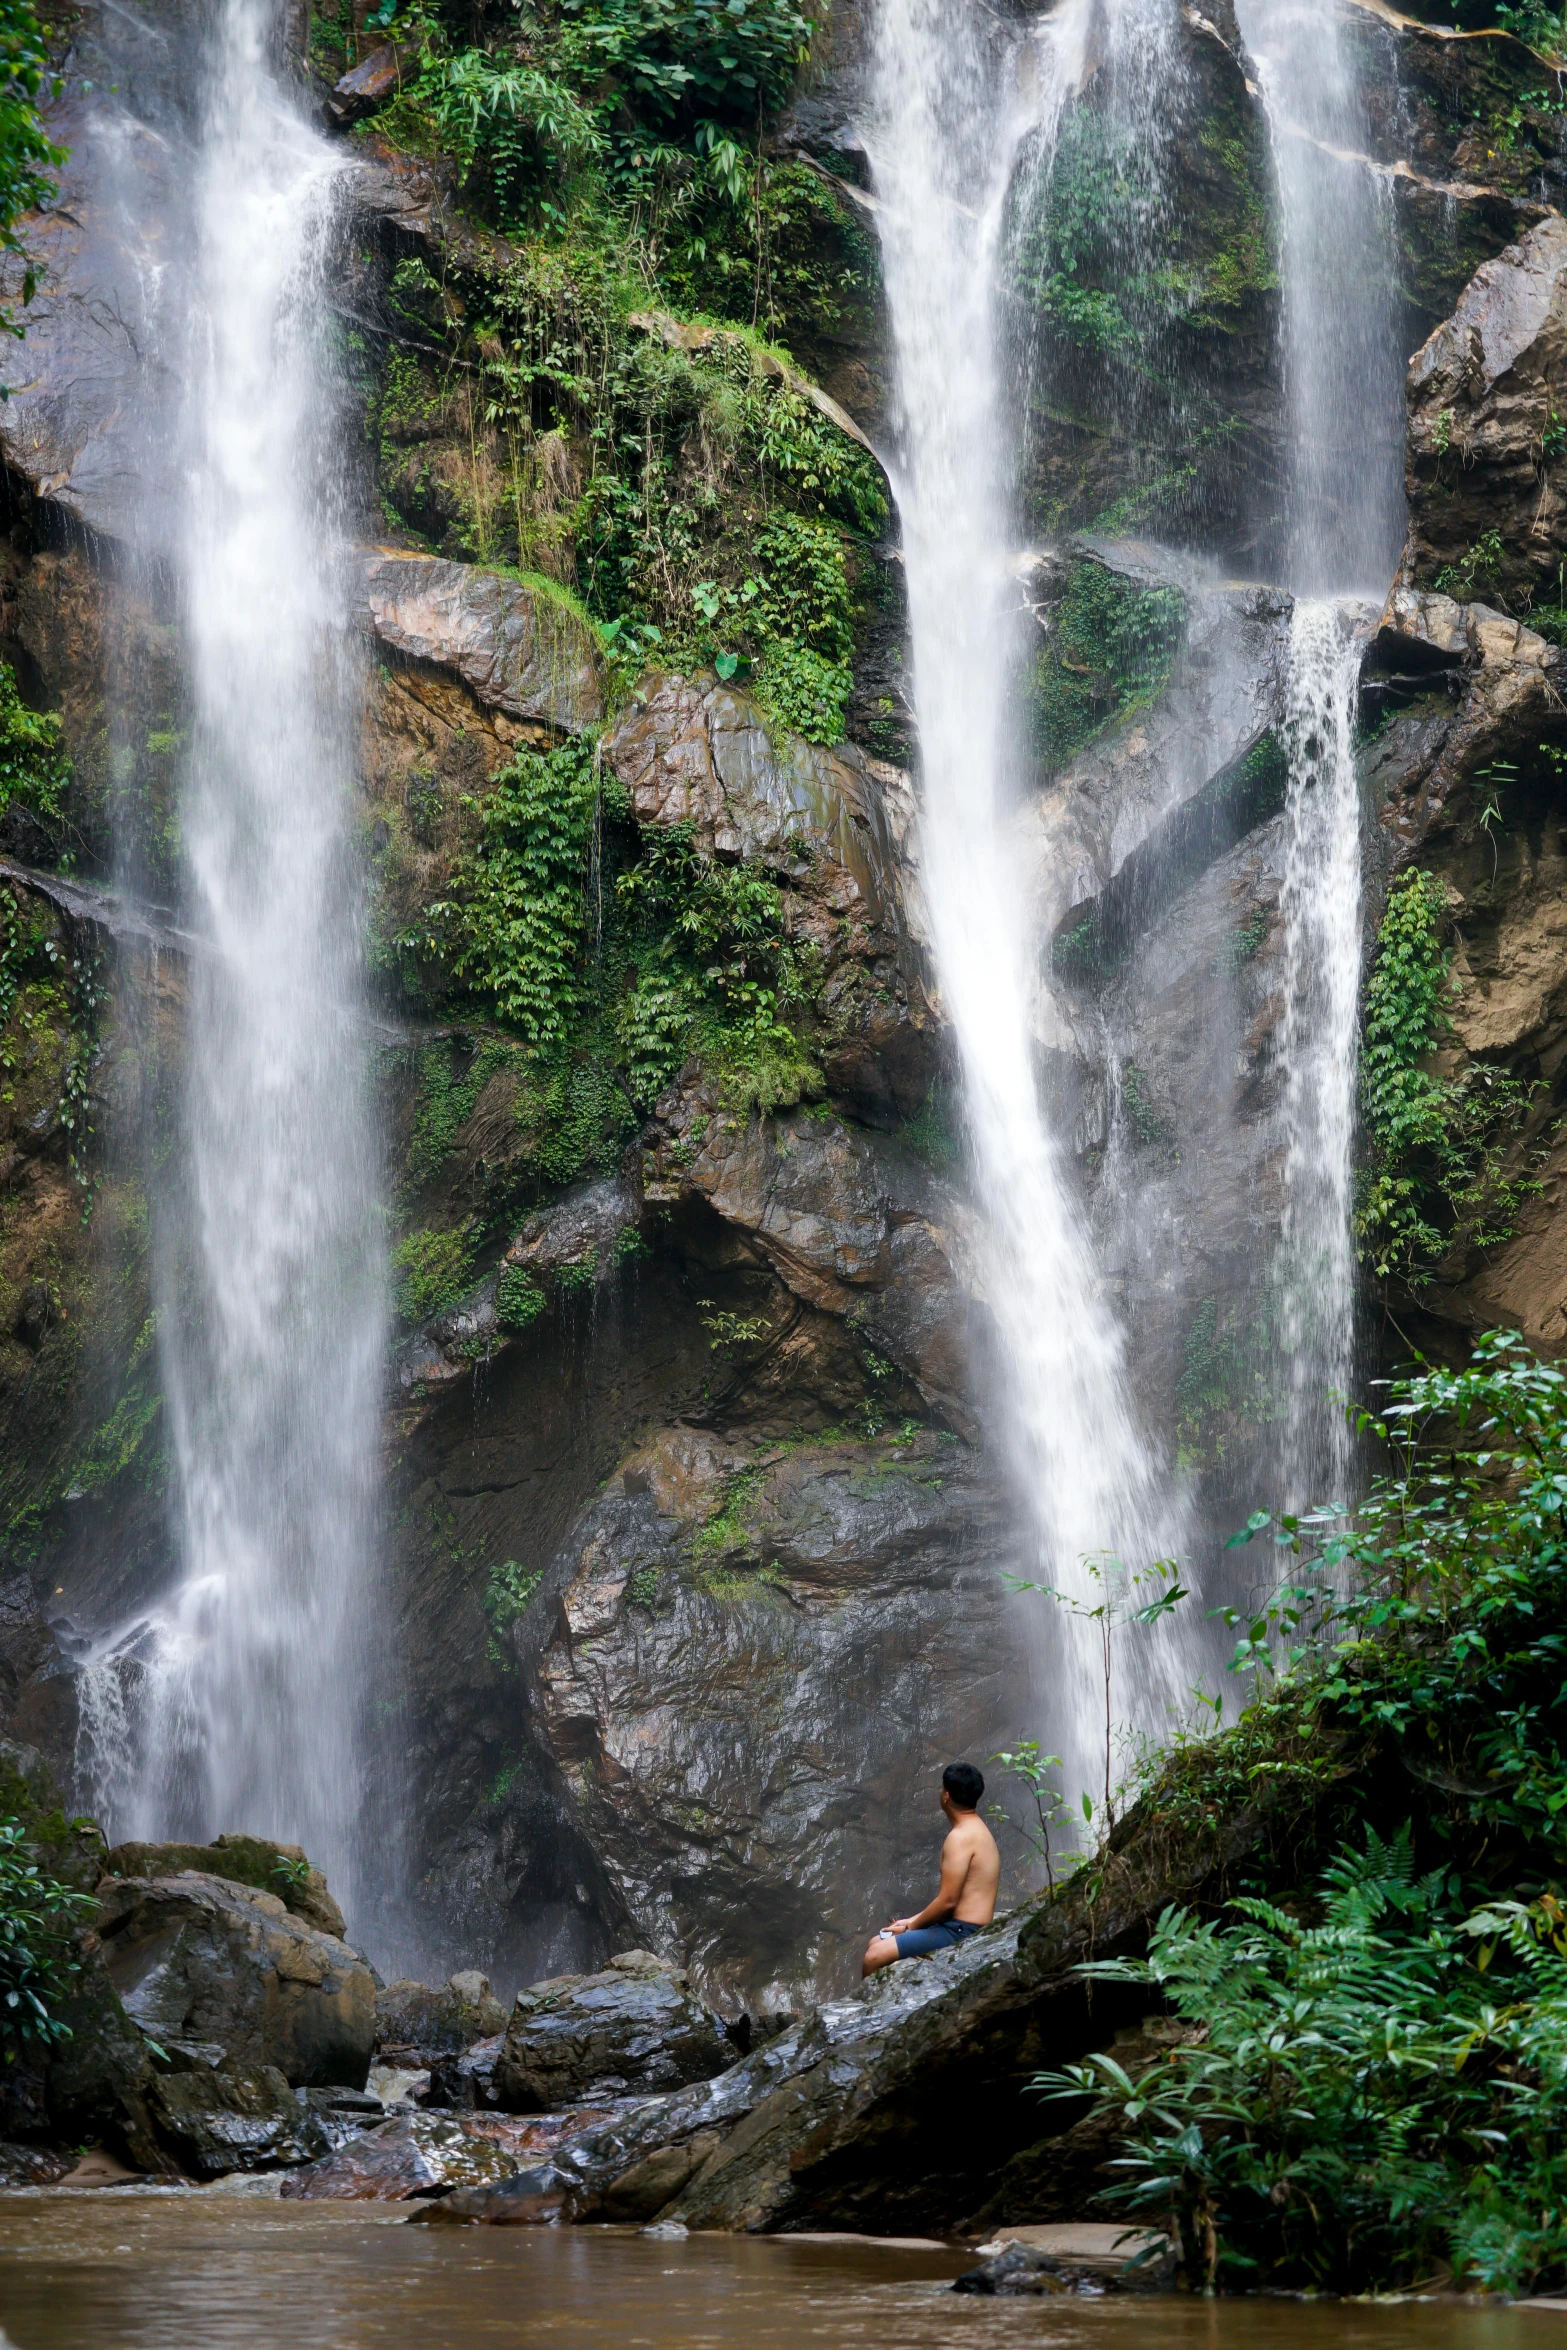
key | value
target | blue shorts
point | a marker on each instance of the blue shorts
(924, 1940)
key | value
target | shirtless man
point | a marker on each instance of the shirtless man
(970, 1873)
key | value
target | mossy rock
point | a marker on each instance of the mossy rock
(280, 1869)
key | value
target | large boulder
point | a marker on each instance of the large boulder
(416, 2021)
(850, 2119)
(635, 2028)
(1487, 448)
(256, 1861)
(201, 1962)
(725, 1605)
(220, 2119)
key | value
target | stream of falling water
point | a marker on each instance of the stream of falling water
(242, 1702)
(1342, 526)
(955, 99)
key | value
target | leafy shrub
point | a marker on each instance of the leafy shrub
(35, 768)
(714, 970)
(1366, 2098)
(39, 1918)
(1375, 2076)
(518, 1299)
(432, 1270)
(1111, 647)
(27, 156)
(513, 929)
(1436, 1146)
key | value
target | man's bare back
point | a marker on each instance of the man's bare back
(970, 1878)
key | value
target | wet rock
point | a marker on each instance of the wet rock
(642, 2192)
(414, 2019)
(467, 2082)
(220, 2120)
(279, 1869)
(1486, 465)
(1024, 2269)
(836, 826)
(32, 2166)
(757, 1823)
(634, 2029)
(852, 1223)
(849, 2120)
(516, 649)
(537, 2198)
(425, 2154)
(369, 84)
(197, 1958)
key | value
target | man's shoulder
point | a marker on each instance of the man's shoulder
(971, 1829)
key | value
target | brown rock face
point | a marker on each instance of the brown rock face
(1488, 426)
(370, 83)
(516, 650)
(199, 1960)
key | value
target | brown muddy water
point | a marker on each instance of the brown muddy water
(135, 2271)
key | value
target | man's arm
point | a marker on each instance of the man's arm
(954, 1869)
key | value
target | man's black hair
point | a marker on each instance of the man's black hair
(964, 1784)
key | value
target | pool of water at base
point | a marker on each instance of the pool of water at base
(139, 2271)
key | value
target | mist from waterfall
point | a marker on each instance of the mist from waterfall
(958, 99)
(243, 1701)
(1342, 526)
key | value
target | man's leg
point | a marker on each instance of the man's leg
(880, 1951)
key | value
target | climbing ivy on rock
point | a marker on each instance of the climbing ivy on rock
(1437, 1147)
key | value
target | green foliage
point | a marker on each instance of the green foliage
(1111, 647)
(1371, 2085)
(729, 1528)
(513, 930)
(692, 62)
(28, 157)
(1438, 1615)
(433, 1270)
(1436, 1146)
(519, 1300)
(1368, 2097)
(1478, 571)
(508, 1590)
(39, 1919)
(35, 768)
(714, 971)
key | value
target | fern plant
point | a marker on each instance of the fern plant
(1371, 2094)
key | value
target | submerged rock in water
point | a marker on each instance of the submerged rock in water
(636, 2028)
(197, 1958)
(419, 2154)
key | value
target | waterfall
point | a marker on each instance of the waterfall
(250, 1687)
(956, 96)
(1340, 535)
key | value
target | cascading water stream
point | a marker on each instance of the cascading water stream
(955, 100)
(1343, 524)
(243, 1702)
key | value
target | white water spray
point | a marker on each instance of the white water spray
(1342, 527)
(955, 100)
(248, 1689)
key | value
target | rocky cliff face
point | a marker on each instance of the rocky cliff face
(698, 1544)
